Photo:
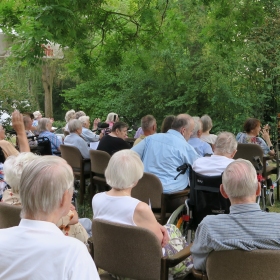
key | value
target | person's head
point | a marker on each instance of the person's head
(252, 126)
(79, 114)
(120, 129)
(27, 122)
(112, 117)
(240, 183)
(124, 170)
(69, 115)
(206, 123)
(75, 126)
(184, 124)
(46, 187)
(44, 124)
(2, 132)
(149, 125)
(225, 145)
(85, 121)
(197, 131)
(166, 124)
(37, 115)
(13, 168)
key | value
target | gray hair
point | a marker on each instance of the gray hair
(111, 117)
(225, 144)
(42, 124)
(79, 114)
(182, 120)
(84, 119)
(147, 122)
(43, 184)
(206, 123)
(197, 126)
(124, 170)
(74, 125)
(69, 115)
(240, 179)
(13, 168)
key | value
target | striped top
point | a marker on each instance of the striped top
(247, 227)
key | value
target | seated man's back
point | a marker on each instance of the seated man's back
(162, 153)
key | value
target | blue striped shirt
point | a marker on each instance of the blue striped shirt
(247, 227)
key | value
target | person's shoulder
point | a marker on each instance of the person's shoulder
(142, 208)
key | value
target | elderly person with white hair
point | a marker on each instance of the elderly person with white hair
(202, 148)
(246, 227)
(44, 129)
(225, 148)
(70, 115)
(87, 134)
(13, 168)
(124, 170)
(37, 249)
(206, 127)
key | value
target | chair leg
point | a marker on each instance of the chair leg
(82, 188)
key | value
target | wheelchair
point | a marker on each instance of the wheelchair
(205, 199)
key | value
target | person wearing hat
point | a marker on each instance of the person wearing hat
(37, 116)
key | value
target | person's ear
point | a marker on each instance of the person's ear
(258, 192)
(199, 132)
(65, 201)
(233, 154)
(224, 194)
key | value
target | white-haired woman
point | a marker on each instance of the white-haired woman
(44, 129)
(124, 170)
(13, 168)
(87, 134)
(206, 127)
(70, 115)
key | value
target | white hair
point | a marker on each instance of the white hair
(84, 119)
(43, 184)
(124, 170)
(111, 117)
(225, 144)
(74, 125)
(240, 179)
(69, 115)
(197, 126)
(206, 123)
(42, 124)
(13, 168)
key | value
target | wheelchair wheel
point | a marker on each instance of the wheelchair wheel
(271, 197)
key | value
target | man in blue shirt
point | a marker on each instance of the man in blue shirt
(247, 227)
(162, 153)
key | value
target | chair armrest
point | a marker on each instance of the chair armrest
(91, 247)
(198, 274)
(180, 256)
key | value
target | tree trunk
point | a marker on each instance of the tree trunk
(48, 72)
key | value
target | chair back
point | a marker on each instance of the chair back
(72, 155)
(248, 152)
(126, 251)
(44, 146)
(205, 197)
(239, 264)
(149, 190)
(99, 161)
(9, 215)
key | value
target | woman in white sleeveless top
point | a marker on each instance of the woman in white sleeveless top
(124, 170)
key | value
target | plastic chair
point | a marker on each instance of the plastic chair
(9, 215)
(99, 162)
(74, 158)
(149, 189)
(130, 251)
(249, 151)
(239, 264)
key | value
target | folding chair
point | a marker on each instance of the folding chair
(239, 264)
(130, 251)
(74, 158)
(9, 215)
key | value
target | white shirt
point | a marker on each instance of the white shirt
(211, 166)
(210, 138)
(38, 250)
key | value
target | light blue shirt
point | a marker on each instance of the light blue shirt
(247, 227)
(73, 139)
(162, 153)
(201, 147)
(89, 136)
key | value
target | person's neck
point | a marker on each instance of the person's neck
(113, 134)
(243, 200)
(120, 192)
(251, 134)
(52, 218)
(206, 132)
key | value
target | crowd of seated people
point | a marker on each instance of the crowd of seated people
(157, 153)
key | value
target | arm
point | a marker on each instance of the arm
(74, 217)
(139, 148)
(18, 125)
(265, 135)
(95, 122)
(144, 217)
(90, 136)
